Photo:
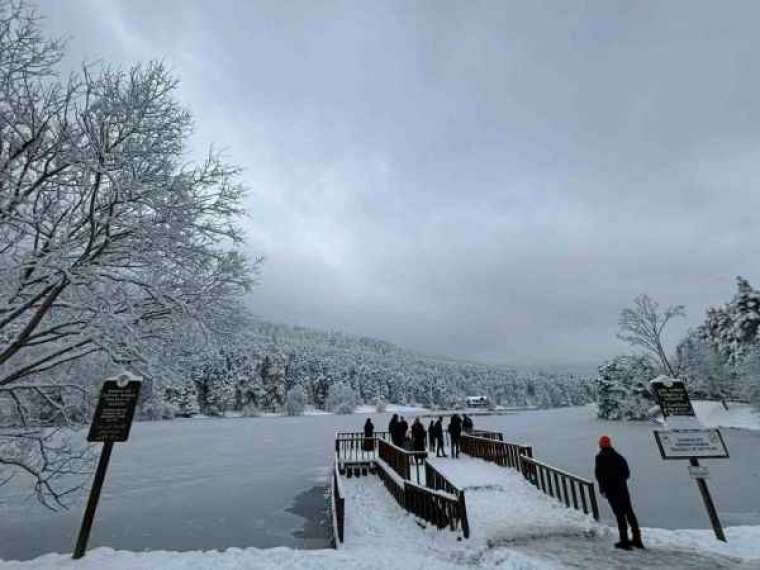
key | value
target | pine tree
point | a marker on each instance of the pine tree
(623, 388)
(183, 397)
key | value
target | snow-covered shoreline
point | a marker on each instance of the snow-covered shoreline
(742, 546)
(738, 415)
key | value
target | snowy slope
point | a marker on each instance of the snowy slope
(713, 414)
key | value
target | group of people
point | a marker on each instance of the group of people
(611, 468)
(399, 431)
(414, 439)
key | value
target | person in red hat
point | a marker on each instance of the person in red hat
(612, 473)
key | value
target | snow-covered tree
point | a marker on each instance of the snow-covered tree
(730, 337)
(734, 327)
(342, 399)
(111, 241)
(273, 384)
(183, 397)
(623, 388)
(705, 369)
(295, 402)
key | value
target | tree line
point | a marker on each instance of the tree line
(259, 369)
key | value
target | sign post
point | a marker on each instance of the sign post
(709, 505)
(692, 442)
(110, 424)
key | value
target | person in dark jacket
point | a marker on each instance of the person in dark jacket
(403, 430)
(455, 430)
(393, 429)
(431, 436)
(418, 439)
(369, 433)
(467, 424)
(612, 473)
(440, 451)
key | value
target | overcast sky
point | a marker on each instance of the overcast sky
(489, 180)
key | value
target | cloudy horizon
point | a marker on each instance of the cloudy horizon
(490, 181)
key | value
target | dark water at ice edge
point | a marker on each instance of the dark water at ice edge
(201, 484)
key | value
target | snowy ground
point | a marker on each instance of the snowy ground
(196, 484)
(391, 409)
(513, 527)
(713, 414)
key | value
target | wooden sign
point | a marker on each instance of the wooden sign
(673, 398)
(115, 411)
(110, 424)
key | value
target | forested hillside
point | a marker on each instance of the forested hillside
(261, 367)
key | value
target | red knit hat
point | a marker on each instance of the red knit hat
(605, 441)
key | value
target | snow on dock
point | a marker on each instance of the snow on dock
(515, 526)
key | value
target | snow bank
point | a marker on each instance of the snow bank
(741, 541)
(390, 409)
(235, 559)
(713, 414)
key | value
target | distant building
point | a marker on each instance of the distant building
(477, 402)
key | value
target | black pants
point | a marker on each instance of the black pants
(440, 451)
(454, 445)
(620, 501)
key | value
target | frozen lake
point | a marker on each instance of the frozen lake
(216, 483)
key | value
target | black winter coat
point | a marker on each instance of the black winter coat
(455, 426)
(611, 472)
(418, 436)
(438, 427)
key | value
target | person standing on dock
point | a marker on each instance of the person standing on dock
(431, 436)
(467, 424)
(403, 431)
(369, 433)
(612, 473)
(393, 429)
(418, 440)
(440, 451)
(455, 431)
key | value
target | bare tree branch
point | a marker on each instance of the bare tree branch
(643, 324)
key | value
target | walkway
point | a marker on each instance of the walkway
(515, 526)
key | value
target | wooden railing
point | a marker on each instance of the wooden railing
(360, 435)
(434, 506)
(556, 482)
(437, 481)
(353, 447)
(500, 452)
(392, 481)
(401, 460)
(338, 506)
(438, 508)
(486, 434)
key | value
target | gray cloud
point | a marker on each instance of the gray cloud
(487, 180)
